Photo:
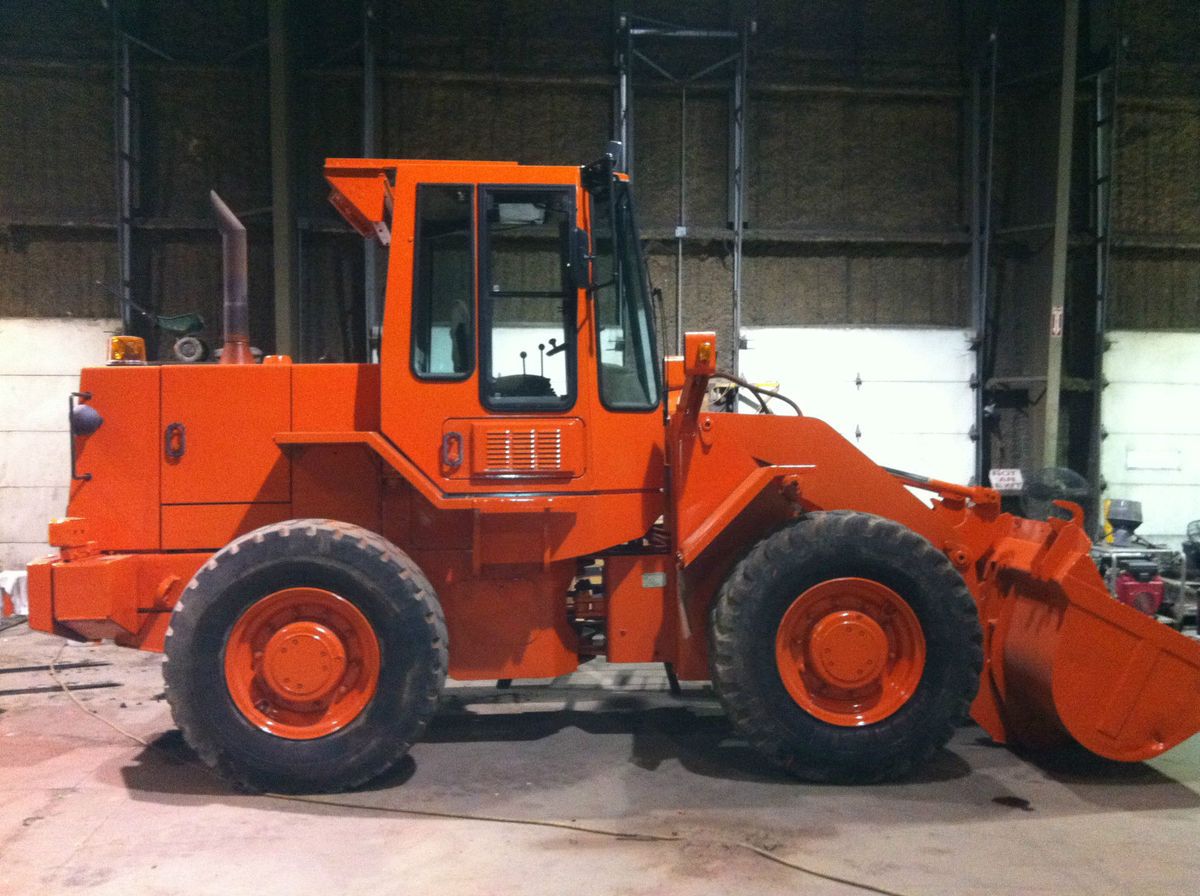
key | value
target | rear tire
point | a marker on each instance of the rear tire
(367, 662)
(845, 648)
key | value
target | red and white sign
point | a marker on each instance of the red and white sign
(1005, 479)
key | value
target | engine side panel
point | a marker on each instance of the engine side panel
(120, 500)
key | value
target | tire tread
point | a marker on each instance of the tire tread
(186, 615)
(858, 755)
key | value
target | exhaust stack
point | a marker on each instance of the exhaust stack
(236, 349)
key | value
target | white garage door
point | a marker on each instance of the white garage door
(903, 396)
(39, 367)
(1150, 410)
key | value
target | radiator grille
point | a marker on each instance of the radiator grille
(524, 450)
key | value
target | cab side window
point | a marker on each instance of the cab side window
(526, 303)
(443, 336)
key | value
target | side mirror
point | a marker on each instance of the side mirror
(579, 268)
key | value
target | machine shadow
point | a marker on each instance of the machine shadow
(1125, 786)
(700, 740)
(693, 735)
(169, 771)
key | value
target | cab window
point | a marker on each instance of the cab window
(443, 338)
(629, 372)
(526, 303)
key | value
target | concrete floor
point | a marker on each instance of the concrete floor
(84, 808)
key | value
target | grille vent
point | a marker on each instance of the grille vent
(524, 450)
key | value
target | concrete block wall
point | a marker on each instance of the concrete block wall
(40, 359)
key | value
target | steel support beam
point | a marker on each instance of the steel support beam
(982, 140)
(681, 230)
(1062, 222)
(287, 318)
(626, 54)
(623, 110)
(123, 148)
(737, 185)
(371, 150)
(1103, 171)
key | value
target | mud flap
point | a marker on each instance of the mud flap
(1064, 659)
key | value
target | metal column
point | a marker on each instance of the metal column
(282, 207)
(1062, 222)
(983, 118)
(737, 185)
(1103, 148)
(370, 151)
(123, 149)
(623, 108)
(681, 222)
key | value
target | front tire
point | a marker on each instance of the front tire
(845, 648)
(305, 656)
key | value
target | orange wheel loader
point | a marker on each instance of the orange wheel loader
(315, 547)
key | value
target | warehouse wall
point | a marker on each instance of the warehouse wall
(1157, 200)
(39, 368)
(840, 179)
(856, 206)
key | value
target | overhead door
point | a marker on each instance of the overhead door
(902, 395)
(1150, 411)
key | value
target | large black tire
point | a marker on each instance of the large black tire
(369, 572)
(751, 605)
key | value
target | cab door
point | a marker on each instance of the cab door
(528, 433)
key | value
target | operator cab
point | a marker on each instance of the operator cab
(518, 347)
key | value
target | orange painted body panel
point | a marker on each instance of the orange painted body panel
(91, 596)
(125, 597)
(335, 397)
(642, 608)
(121, 500)
(198, 527)
(230, 414)
(505, 624)
(586, 523)
(339, 482)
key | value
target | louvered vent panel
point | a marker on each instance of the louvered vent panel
(520, 449)
(524, 450)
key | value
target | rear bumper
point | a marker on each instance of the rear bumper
(126, 598)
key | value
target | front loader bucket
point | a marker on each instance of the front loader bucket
(1064, 659)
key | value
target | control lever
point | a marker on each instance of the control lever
(555, 348)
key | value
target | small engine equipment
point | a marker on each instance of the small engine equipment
(1139, 585)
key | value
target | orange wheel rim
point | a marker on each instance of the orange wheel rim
(302, 663)
(850, 651)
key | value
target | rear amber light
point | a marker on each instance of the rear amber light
(127, 350)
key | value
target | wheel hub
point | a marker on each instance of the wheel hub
(303, 661)
(848, 649)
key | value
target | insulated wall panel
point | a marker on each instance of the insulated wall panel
(1149, 411)
(902, 395)
(40, 361)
